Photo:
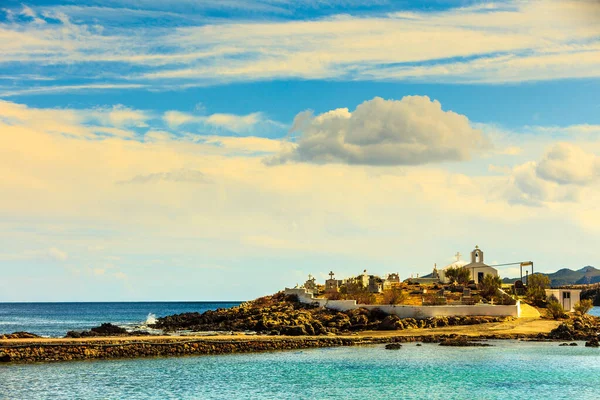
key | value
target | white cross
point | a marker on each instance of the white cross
(457, 255)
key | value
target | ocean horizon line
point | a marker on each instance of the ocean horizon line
(121, 301)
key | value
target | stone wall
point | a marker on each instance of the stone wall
(44, 351)
(418, 312)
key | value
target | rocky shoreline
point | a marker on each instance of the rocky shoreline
(44, 350)
(282, 324)
(284, 315)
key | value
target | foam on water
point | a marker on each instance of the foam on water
(150, 319)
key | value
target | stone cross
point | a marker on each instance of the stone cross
(457, 255)
(331, 274)
(310, 277)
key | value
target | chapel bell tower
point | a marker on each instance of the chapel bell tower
(477, 256)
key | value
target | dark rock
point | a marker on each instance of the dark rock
(294, 330)
(462, 342)
(393, 346)
(4, 357)
(140, 333)
(108, 329)
(419, 344)
(564, 344)
(391, 323)
(19, 335)
(377, 314)
(592, 343)
(573, 344)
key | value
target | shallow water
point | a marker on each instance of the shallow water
(509, 370)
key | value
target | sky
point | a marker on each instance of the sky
(225, 149)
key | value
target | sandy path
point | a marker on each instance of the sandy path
(527, 325)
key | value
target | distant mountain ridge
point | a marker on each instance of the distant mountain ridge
(566, 276)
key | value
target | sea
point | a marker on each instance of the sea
(506, 370)
(55, 319)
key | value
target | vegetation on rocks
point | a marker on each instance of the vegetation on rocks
(556, 310)
(536, 288)
(583, 306)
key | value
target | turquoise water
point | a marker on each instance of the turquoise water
(509, 370)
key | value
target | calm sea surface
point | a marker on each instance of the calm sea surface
(509, 370)
(55, 319)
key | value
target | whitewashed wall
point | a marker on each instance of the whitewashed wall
(412, 311)
(567, 304)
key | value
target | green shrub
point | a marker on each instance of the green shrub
(489, 285)
(536, 285)
(556, 310)
(583, 306)
(394, 296)
(460, 275)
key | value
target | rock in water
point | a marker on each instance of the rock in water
(19, 335)
(393, 346)
(4, 357)
(462, 342)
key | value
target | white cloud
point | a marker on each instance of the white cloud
(176, 118)
(221, 121)
(182, 175)
(527, 188)
(411, 131)
(566, 163)
(559, 176)
(57, 254)
(120, 115)
(51, 254)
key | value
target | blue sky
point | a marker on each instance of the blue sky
(222, 150)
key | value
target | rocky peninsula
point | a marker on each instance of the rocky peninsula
(284, 315)
(280, 322)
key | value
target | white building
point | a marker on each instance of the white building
(567, 297)
(476, 267)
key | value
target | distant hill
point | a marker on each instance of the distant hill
(567, 276)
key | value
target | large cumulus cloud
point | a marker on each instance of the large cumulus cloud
(414, 130)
